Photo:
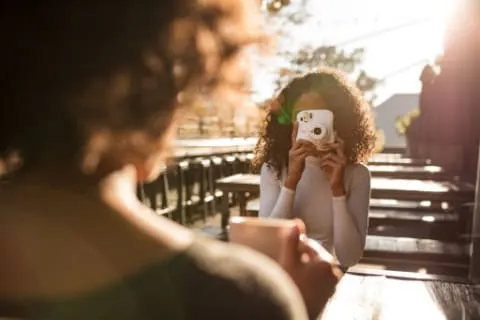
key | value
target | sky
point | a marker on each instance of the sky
(399, 37)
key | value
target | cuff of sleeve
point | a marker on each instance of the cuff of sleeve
(339, 205)
(283, 207)
(287, 191)
(340, 199)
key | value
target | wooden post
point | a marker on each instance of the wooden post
(474, 272)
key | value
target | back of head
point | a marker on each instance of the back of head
(73, 69)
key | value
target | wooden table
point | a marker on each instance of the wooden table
(240, 184)
(382, 188)
(384, 298)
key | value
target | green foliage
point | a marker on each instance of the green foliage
(379, 141)
(330, 56)
(404, 121)
(309, 59)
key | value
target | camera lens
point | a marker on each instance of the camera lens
(317, 131)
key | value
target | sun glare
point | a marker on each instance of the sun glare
(399, 37)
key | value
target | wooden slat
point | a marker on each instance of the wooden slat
(415, 247)
(365, 270)
(443, 232)
(418, 190)
(404, 215)
(408, 172)
(398, 205)
(420, 253)
(386, 161)
(433, 225)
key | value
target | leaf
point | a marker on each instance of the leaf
(403, 122)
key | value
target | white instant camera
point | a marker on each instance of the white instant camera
(316, 126)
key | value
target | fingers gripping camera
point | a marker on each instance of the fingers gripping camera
(315, 126)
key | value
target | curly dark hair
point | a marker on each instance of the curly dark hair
(72, 68)
(353, 119)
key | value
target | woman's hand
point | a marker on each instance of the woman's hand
(316, 279)
(333, 164)
(296, 158)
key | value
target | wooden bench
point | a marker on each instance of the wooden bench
(439, 224)
(398, 253)
(428, 225)
(381, 188)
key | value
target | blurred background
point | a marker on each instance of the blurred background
(382, 44)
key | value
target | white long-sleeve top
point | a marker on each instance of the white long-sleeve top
(338, 223)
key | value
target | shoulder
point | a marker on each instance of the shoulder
(358, 173)
(266, 171)
(358, 170)
(241, 283)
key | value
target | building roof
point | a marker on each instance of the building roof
(387, 113)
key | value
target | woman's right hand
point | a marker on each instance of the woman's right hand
(296, 158)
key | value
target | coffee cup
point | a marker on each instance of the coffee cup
(267, 236)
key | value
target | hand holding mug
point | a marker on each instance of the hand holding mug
(315, 278)
(312, 268)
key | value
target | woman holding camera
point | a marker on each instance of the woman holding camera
(328, 187)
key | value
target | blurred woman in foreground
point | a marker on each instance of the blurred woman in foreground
(90, 94)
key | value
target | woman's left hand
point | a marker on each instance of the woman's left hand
(333, 164)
